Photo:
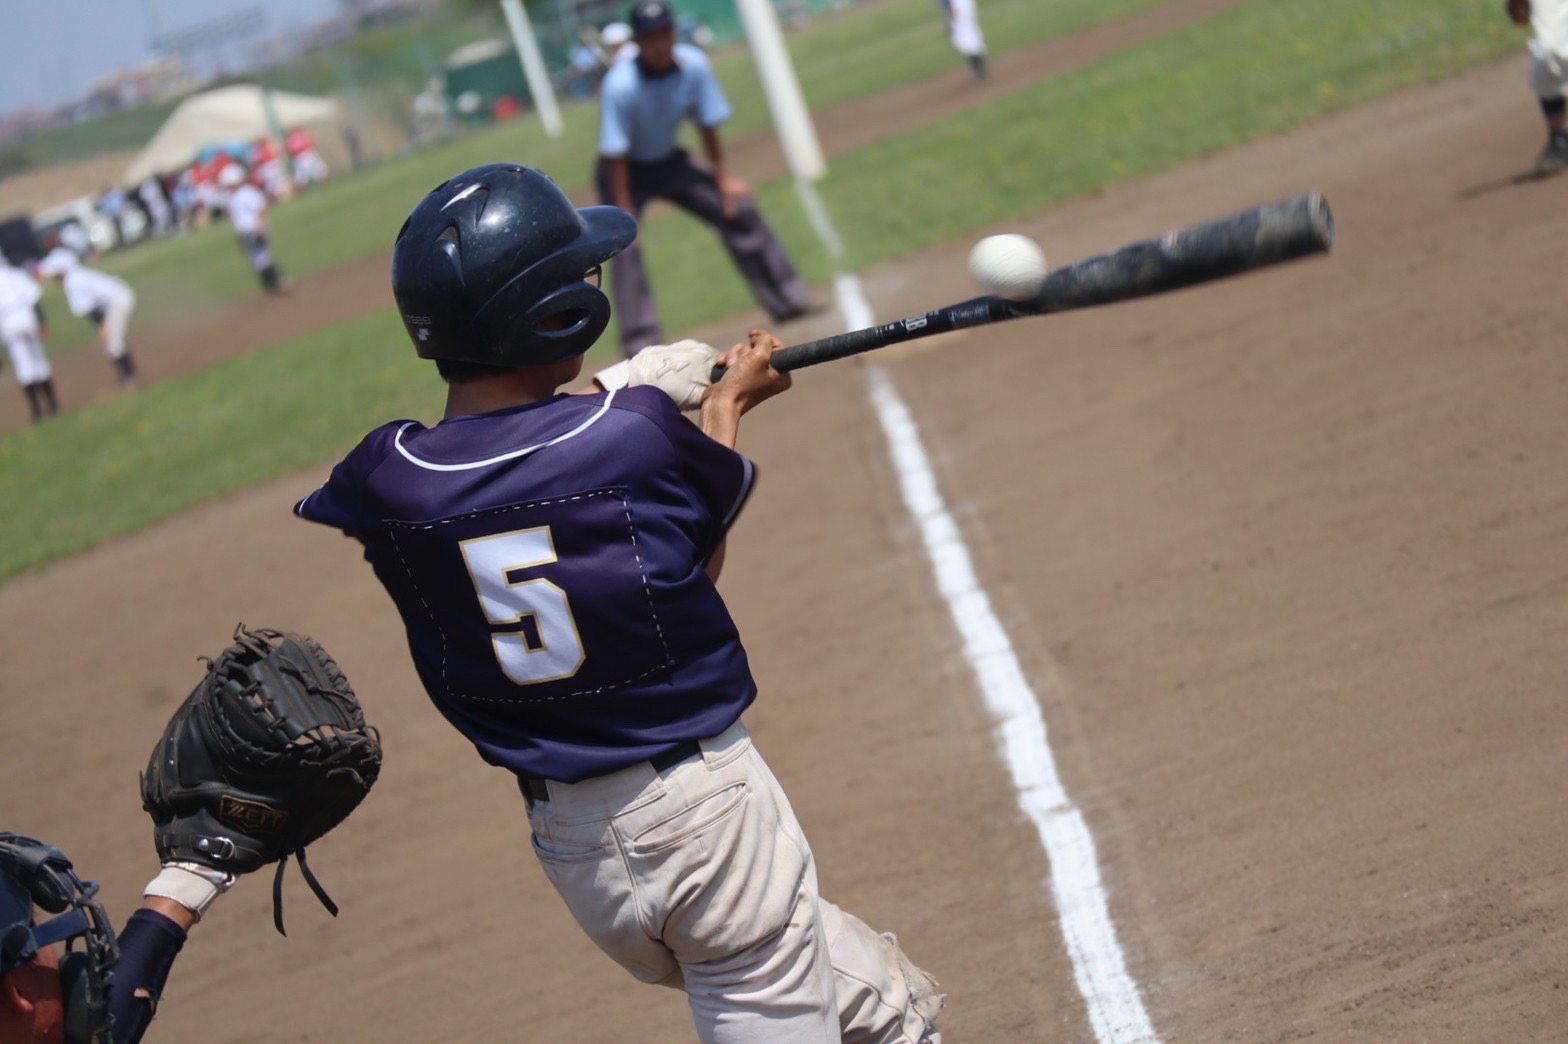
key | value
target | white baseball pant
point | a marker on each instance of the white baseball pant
(1549, 48)
(699, 878)
(116, 320)
(24, 345)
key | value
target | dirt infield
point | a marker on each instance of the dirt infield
(1282, 557)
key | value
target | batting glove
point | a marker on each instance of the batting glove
(682, 371)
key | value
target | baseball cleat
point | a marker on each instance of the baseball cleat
(1553, 158)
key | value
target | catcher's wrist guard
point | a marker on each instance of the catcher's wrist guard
(268, 753)
(192, 885)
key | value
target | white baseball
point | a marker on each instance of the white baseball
(1008, 265)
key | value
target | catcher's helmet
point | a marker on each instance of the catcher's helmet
(33, 873)
(493, 254)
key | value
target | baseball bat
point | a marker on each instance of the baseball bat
(1263, 235)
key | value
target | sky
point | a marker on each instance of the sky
(56, 49)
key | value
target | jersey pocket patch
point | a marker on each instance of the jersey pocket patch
(539, 601)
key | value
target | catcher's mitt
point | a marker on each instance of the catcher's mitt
(268, 753)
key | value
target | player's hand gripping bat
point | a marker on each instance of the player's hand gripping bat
(1226, 246)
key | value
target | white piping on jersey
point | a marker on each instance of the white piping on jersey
(525, 451)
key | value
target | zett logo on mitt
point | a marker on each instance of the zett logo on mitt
(251, 816)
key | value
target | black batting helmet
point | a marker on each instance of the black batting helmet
(494, 254)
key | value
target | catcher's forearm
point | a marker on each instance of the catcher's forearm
(172, 910)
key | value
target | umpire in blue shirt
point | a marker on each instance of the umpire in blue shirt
(642, 104)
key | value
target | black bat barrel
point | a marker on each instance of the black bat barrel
(1227, 246)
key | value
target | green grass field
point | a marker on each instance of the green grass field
(1266, 66)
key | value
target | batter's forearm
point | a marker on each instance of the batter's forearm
(719, 418)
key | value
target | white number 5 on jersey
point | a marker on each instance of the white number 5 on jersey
(536, 639)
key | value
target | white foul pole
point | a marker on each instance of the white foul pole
(533, 66)
(791, 119)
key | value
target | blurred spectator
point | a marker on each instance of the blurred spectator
(208, 192)
(187, 208)
(160, 214)
(616, 39)
(267, 169)
(587, 66)
(432, 113)
(111, 204)
(309, 167)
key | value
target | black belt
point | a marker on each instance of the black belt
(538, 790)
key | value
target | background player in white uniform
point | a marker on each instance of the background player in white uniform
(105, 299)
(1548, 22)
(248, 214)
(963, 28)
(22, 329)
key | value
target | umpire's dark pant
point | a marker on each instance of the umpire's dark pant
(751, 243)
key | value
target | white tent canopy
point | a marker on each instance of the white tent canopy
(237, 113)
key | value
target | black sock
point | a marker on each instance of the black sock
(34, 401)
(125, 366)
(48, 394)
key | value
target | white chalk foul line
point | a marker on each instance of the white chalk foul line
(1115, 1009)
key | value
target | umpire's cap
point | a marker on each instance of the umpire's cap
(650, 16)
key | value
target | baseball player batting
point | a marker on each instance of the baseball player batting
(554, 559)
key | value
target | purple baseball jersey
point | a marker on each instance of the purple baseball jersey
(547, 561)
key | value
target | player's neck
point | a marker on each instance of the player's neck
(503, 391)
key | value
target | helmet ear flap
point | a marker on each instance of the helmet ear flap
(587, 311)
